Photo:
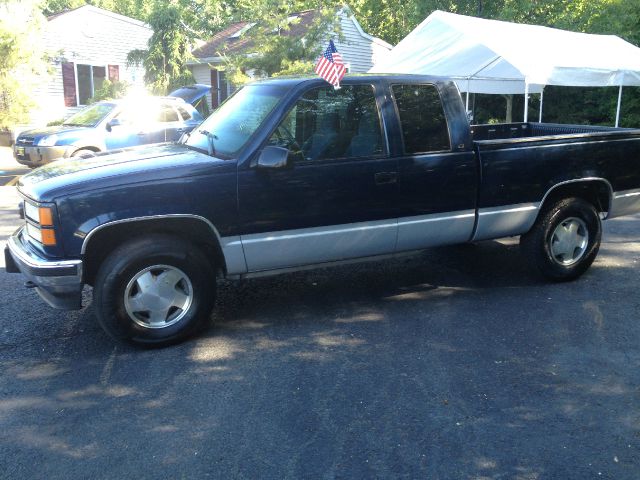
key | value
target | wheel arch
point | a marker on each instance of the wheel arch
(104, 238)
(91, 148)
(596, 190)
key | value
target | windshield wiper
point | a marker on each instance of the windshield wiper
(210, 138)
(74, 125)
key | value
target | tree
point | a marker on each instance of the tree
(165, 60)
(23, 61)
(272, 50)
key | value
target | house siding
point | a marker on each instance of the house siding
(358, 51)
(202, 74)
(87, 35)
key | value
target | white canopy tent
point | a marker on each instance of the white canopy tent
(490, 56)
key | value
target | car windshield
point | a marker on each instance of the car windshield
(229, 127)
(90, 116)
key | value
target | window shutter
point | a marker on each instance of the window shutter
(69, 84)
(114, 73)
(214, 89)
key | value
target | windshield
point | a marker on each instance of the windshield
(90, 116)
(229, 128)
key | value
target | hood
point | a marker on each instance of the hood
(131, 165)
(56, 129)
(191, 93)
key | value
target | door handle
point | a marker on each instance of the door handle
(385, 178)
(181, 130)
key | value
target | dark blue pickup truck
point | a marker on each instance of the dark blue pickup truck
(291, 173)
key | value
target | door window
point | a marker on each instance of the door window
(424, 125)
(327, 123)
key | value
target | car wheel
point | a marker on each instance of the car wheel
(155, 291)
(565, 239)
(83, 153)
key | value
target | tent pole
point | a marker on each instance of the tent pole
(618, 109)
(541, 101)
(526, 102)
(466, 108)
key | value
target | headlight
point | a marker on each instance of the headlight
(48, 141)
(42, 231)
(42, 215)
(45, 236)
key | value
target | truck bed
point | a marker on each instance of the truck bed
(505, 131)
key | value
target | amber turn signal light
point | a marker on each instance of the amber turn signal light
(46, 217)
(48, 237)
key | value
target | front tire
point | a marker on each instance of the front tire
(565, 239)
(83, 153)
(156, 290)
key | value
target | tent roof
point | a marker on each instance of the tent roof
(490, 56)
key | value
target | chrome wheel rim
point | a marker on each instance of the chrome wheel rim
(158, 296)
(569, 241)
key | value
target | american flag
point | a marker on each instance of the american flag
(330, 65)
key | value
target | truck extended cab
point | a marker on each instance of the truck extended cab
(291, 173)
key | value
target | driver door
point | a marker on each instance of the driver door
(137, 126)
(338, 200)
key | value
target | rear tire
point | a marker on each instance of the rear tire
(565, 239)
(156, 291)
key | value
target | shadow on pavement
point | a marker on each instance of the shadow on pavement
(453, 363)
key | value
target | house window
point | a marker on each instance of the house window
(80, 81)
(89, 79)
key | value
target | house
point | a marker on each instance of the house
(87, 46)
(359, 50)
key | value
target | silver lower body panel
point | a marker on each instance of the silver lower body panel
(625, 202)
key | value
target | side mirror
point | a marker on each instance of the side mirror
(114, 122)
(272, 158)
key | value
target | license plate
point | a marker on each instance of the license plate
(20, 151)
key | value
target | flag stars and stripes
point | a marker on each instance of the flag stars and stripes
(330, 65)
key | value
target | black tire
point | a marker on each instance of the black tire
(84, 153)
(542, 243)
(115, 290)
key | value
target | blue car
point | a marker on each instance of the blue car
(112, 124)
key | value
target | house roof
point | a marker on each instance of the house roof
(101, 11)
(232, 41)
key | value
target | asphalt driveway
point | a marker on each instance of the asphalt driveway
(452, 364)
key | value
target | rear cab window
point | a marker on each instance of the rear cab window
(422, 119)
(327, 124)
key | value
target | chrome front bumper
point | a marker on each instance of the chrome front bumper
(34, 156)
(58, 282)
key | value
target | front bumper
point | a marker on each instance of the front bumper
(34, 156)
(58, 282)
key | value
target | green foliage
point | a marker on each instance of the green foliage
(295, 67)
(55, 123)
(23, 62)
(51, 7)
(272, 51)
(165, 60)
(110, 90)
(131, 8)
(177, 23)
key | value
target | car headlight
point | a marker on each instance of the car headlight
(42, 228)
(48, 141)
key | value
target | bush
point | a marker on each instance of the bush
(109, 91)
